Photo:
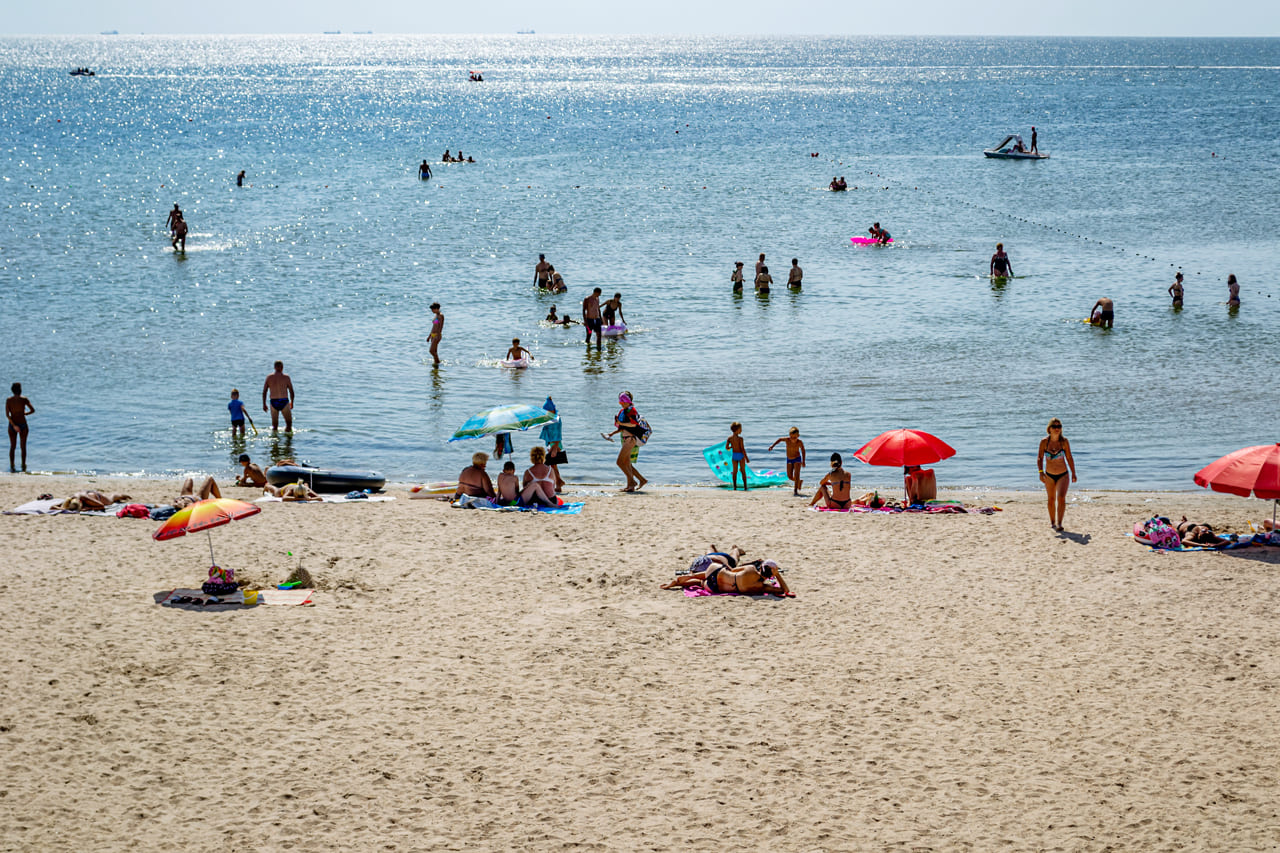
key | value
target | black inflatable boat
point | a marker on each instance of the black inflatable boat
(324, 480)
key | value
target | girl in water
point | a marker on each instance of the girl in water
(1053, 460)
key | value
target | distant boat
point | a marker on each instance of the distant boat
(109, 33)
(82, 72)
(1005, 151)
(525, 32)
(364, 32)
(333, 32)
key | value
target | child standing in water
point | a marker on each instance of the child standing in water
(236, 407)
(739, 450)
(795, 457)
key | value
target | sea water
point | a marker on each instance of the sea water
(645, 166)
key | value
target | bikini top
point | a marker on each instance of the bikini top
(1054, 454)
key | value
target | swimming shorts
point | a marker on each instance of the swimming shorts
(738, 457)
(278, 403)
(235, 421)
(594, 324)
(795, 461)
(1108, 316)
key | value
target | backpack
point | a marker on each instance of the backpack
(647, 431)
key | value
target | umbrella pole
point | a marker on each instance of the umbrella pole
(211, 560)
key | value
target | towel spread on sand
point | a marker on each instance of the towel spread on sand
(329, 499)
(45, 507)
(933, 509)
(1233, 543)
(702, 592)
(721, 462)
(468, 502)
(194, 597)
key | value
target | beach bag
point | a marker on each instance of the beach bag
(646, 431)
(1161, 534)
(133, 511)
(221, 581)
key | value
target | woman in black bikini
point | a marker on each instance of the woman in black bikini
(627, 421)
(713, 573)
(1052, 460)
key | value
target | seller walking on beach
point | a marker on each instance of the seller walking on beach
(280, 386)
(552, 436)
(1053, 460)
(628, 422)
(16, 409)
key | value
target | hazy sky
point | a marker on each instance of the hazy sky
(944, 17)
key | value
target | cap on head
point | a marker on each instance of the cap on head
(770, 564)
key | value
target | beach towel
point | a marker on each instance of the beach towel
(721, 462)
(45, 507)
(702, 592)
(197, 598)
(468, 502)
(948, 508)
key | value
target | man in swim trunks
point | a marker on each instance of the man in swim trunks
(760, 264)
(16, 409)
(474, 480)
(424, 170)
(1001, 266)
(796, 275)
(174, 216)
(280, 387)
(542, 272)
(591, 316)
(179, 235)
(833, 491)
(1106, 312)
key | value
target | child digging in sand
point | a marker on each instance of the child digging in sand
(739, 451)
(795, 458)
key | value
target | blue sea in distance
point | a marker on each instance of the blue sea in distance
(645, 166)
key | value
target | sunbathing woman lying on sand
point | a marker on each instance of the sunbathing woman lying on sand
(298, 492)
(713, 573)
(91, 500)
(1199, 534)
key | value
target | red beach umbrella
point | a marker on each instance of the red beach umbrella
(1248, 471)
(904, 447)
(203, 515)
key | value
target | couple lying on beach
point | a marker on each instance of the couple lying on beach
(718, 573)
(538, 487)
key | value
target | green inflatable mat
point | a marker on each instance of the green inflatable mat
(721, 462)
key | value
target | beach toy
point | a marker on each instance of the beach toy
(438, 488)
(515, 363)
(721, 461)
(867, 241)
(617, 330)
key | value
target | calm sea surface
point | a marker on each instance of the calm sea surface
(646, 166)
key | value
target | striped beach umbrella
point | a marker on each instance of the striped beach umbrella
(503, 419)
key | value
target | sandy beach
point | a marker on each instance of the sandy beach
(471, 680)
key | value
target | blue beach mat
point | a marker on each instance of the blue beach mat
(482, 503)
(721, 462)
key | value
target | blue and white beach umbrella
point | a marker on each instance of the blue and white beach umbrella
(503, 419)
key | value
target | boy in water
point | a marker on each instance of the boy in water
(736, 446)
(517, 352)
(16, 409)
(795, 457)
(508, 485)
(236, 406)
(552, 317)
(250, 474)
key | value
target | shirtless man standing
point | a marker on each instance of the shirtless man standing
(760, 265)
(796, 276)
(1105, 310)
(282, 397)
(16, 409)
(542, 272)
(174, 216)
(591, 316)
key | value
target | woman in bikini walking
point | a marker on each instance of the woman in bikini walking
(1053, 461)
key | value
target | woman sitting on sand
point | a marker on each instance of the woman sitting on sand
(713, 573)
(539, 485)
(833, 491)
